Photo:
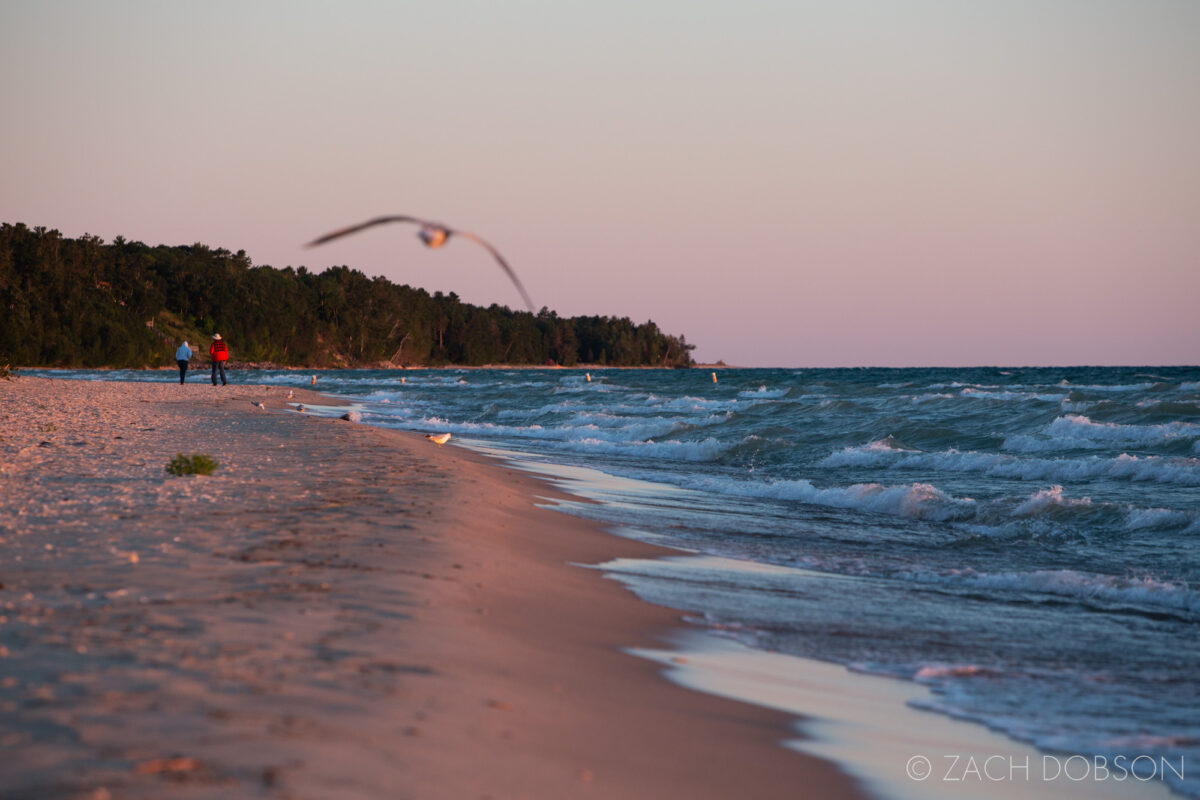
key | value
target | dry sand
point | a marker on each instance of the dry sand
(338, 612)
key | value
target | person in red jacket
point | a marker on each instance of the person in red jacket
(219, 353)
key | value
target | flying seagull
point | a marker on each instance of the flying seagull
(434, 235)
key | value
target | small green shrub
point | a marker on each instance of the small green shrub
(197, 464)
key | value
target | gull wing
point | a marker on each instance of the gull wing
(449, 232)
(329, 237)
(503, 265)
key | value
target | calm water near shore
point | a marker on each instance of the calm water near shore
(1022, 541)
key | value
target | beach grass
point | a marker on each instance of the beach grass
(196, 464)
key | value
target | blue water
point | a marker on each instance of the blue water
(1022, 541)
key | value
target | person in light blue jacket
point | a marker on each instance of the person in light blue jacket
(182, 355)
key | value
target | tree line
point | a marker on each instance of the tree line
(87, 303)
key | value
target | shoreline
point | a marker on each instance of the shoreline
(865, 724)
(871, 726)
(339, 611)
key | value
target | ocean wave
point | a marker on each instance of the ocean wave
(1075, 431)
(1039, 513)
(921, 399)
(632, 441)
(885, 453)
(1049, 512)
(581, 387)
(914, 501)
(563, 407)
(1046, 499)
(1119, 388)
(881, 452)
(838, 404)
(674, 450)
(635, 433)
(569, 419)
(1045, 512)
(636, 426)
(1144, 592)
(1138, 519)
(689, 403)
(982, 394)
(762, 392)
(1155, 411)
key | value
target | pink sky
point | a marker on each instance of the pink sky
(791, 184)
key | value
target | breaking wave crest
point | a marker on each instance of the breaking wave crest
(1075, 431)
(914, 501)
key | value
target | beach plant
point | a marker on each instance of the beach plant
(7, 372)
(196, 464)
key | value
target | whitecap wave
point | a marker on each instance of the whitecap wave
(921, 399)
(1119, 388)
(1075, 431)
(1046, 499)
(763, 393)
(634, 433)
(982, 394)
(1159, 469)
(915, 501)
(687, 403)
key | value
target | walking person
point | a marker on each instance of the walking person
(182, 356)
(219, 353)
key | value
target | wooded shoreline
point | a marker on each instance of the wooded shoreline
(87, 303)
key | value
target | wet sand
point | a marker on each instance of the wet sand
(337, 612)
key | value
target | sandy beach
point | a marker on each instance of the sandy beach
(338, 611)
